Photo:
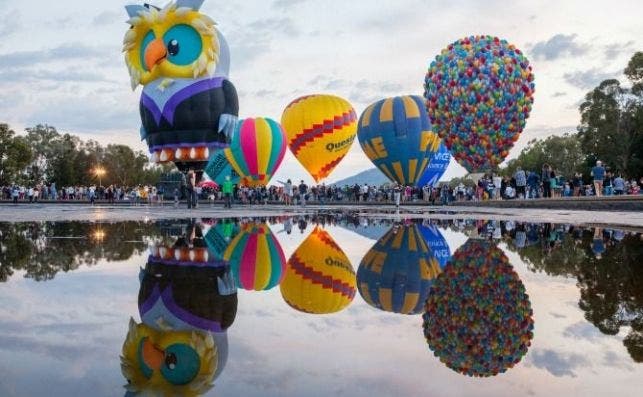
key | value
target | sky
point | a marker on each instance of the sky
(61, 62)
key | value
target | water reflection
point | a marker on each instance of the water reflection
(187, 300)
(478, 318)
(396, 274)
(319, 278)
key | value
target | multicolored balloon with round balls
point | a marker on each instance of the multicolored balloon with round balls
(479, 92)
(319, 277)
(478, 319)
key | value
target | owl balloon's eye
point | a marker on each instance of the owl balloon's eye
(181, 364)
(183, 44)
(173, 47)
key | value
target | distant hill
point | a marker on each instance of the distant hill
(371, 176)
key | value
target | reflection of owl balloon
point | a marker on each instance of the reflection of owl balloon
(395, 133)
(478, 318)
(188, 106)
(256, 151)
(396, 274)
(319, 278)
(320, 130)
(436, 168)
(186, 306)
(256, 258)
(437, 243)
(479, 93)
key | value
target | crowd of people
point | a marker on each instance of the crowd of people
(524, 184)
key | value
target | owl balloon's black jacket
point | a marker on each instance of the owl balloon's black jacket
(190, 115)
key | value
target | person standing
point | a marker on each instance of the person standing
(303, 190)
(397, 193)
(545, 178)
(598, 174)
(227, 192)
(619, 185)
(521, 182)
(607, 183)
(577, 182)
(191, 184)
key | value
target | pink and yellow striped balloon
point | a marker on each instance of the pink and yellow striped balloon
(257, 149)
(256, 258)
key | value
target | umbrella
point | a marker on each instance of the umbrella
(211, 184)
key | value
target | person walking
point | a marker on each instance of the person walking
(598, 173)
(227, 192)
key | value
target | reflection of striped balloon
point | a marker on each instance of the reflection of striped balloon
(395, 133)
(320, 130)
(256, 258)
(397, 273)
(256, 151)
(319, 278)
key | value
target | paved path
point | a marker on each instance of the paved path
(57, 212)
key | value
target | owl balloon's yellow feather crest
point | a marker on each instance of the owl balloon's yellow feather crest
(158, 22)
(154, 383)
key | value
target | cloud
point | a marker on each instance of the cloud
(23, 75)
(108, 17)
(67, 51)
(252, 40)
(587, 79)
(284, 5)
(582, 330)
(558, 94)
(558, 364)
(558, 46)
(613, 50)
(10, 23)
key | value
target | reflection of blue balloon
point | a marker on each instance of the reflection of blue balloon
(396, 274)
(395, 133)
(437, 243)
(436, 168)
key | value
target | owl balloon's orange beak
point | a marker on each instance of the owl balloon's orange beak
(153, 357)
(155, 53)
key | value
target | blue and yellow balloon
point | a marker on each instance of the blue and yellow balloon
(395, 133)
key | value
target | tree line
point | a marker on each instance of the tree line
(611, 130)
(45, 155)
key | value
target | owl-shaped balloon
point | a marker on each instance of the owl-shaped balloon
(188, 106)
(186, 303)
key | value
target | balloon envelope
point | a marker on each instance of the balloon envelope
(395, 133)
(479, 93)
(437, 243)
(396, 274)
(319, 278)
(218, 168)
(256, 151)
(320, 130)
(436, 168)
(478, 318)
(256, 258)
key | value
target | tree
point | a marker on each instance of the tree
(563, 153)
(611, 126)
(15, 155)
(124, 166)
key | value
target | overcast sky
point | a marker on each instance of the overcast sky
(61, 62)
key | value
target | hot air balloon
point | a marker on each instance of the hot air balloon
(256, 150)
(219, 168)
(319, 277)
(479, 93)
(396, 274)
(437, 243)
(188, 105)
(478, 318)
(219, 236)
(436, 168)
(395, 133)
(256, 258)
(180, 346)
(320, 130)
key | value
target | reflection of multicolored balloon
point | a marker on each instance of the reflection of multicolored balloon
(256, 258)
(256, 151)
(319, 279)
(395, 133)
(396, 274)
(437, 243)
(436, 168)
(478, 318)
(479, 93)
(320, 130)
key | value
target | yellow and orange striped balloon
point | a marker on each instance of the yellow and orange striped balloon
(319, 277)
(320, 131)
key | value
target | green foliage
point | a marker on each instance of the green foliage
(563, 153)
(15, 155)
(464, 180)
